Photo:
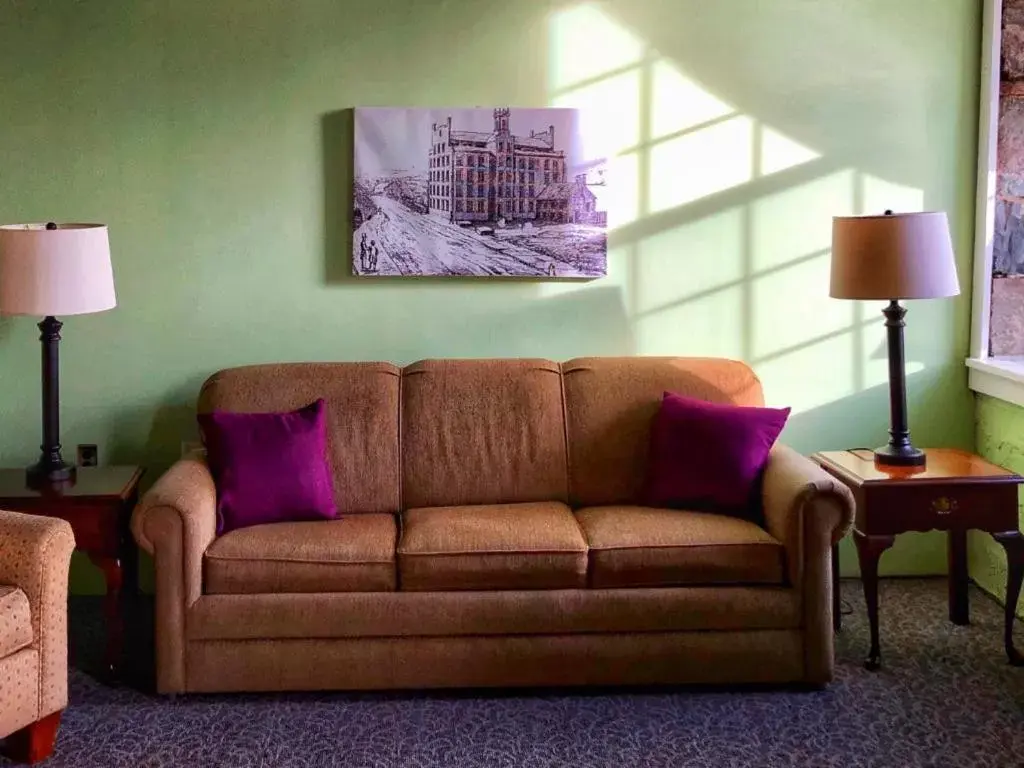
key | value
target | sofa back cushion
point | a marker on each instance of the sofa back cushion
(482, 432)
(361, 401)
(610, 404)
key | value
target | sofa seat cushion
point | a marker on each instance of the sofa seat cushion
(535, 545)
(355, 553)
(650, 547)
(15, 621)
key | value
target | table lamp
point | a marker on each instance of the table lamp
(48, 270)
(892, 257)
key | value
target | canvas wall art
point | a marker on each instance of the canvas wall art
(484, 192)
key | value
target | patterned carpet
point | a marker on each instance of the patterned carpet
(945, 697)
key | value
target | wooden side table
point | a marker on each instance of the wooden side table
(955, 491)
(98, 505)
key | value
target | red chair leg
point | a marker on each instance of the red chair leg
(34, 742)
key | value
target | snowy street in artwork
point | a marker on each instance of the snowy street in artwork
(411, 243)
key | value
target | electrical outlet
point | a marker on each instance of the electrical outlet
(88, 455)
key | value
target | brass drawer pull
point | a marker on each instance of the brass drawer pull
(944, 505)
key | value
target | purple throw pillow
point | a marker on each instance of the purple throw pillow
(269, 467)
(707, 456)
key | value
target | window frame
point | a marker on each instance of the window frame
(996, 376)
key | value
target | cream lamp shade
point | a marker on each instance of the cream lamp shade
(61, 269)
(894, 256)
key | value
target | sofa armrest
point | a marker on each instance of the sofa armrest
(809, 512)
(176, 521)
(179, 515)
(35, 555)
(804, 506)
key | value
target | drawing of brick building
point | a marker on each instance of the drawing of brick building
(569, 202)
(478, 176)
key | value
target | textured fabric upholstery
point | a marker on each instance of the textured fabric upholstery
(355, 553)
(808, 510)
(497, 612)
(19, 691)
(609, 405)
(643, 546)
(175, 522)
(35, 555)
(756, 656)
(500, 546)
(362, 419)
(482, 432)
(15, 621)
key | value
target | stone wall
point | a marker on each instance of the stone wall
(1007, 337)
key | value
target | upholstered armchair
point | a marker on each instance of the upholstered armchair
(35, 553)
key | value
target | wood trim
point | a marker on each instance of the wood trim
(984, 216)
(987, 377)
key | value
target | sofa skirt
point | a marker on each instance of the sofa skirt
(651, 658)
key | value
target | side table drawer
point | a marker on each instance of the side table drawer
(897, 508)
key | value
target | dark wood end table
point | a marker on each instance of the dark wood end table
(954, 492)
(98, 505)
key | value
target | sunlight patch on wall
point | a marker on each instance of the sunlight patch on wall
(587, 45)
(812, 376)
(779, 153)
(747, 281)
(678, 103)
(695, 165)
(792, 306)
(705, 254)
(610, 117)
(878, 195)
(708, 326)
(797, 221)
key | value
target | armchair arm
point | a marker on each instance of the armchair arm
(175, 522)
(804, 506)
(35, 555)
(808, 511)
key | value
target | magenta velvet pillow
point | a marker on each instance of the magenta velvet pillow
(707, 456)
(269, 467)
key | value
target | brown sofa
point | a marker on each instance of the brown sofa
(489, 535)
(35, 554)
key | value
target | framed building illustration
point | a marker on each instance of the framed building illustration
(483, 192)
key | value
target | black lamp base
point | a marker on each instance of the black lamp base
(900, 456)
(43, 474)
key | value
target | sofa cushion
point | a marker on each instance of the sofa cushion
(355, 553)
(648, 547)
(500, 546)
(15, 621)
(362, 419)
(482, 432)
(609, 405)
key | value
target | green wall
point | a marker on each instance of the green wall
(1000, 436)
(213, 136)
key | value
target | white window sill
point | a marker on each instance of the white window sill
(1001, 377)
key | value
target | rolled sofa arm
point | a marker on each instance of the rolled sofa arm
(809, 511)
(35, 555)
(175, 522)
(804, 506)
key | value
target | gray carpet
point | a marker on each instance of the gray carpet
(946, 697)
